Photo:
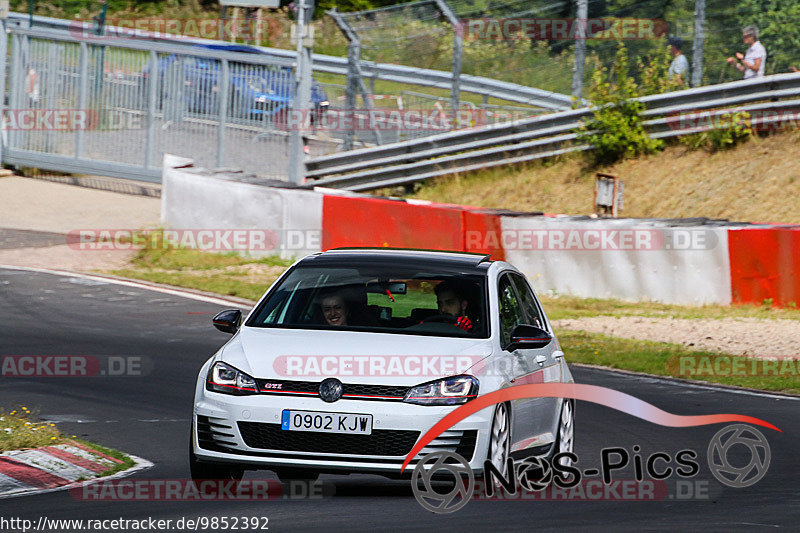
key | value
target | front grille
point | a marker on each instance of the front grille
(389, 442)
(350, 391)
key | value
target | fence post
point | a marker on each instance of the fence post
(458, 49)
(83, 97)
(223, 112)
(580, 50)
(355, 79)
(302, 96)
(15, 84)
(152, 95)
(697, 44)
(3, 61)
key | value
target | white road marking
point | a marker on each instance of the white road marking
(104, 280)
(679, 383)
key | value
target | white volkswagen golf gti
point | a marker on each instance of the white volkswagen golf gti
(353, 354)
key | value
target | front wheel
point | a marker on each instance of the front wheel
(500, 439)
(565, 439)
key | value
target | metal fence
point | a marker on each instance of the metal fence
(774, 99)
(84, 104)
(371, 70)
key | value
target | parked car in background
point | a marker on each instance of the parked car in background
(254, 91)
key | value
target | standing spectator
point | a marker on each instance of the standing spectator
(680, 64)
(752, 63)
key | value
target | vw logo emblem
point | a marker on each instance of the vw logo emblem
(330, 390)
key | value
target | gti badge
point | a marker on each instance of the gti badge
(330, 390)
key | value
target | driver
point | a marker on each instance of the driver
(451, 300)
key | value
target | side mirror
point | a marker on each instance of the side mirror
(228, 321)
(528, 337)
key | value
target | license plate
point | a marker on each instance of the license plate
(353, 424)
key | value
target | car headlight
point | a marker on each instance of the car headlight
(224, 378)
(448, 391)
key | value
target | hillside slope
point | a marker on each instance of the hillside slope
(758, 181)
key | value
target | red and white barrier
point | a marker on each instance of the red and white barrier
(630, 259)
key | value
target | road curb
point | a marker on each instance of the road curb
(57, 467)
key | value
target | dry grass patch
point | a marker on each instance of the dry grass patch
(758, 181)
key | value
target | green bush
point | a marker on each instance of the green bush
(617, 130)
(736, 130)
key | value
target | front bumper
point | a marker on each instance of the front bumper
(246, 430)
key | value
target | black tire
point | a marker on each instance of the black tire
(567, 407)
(494, 454)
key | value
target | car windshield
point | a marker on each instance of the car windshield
(377, 298)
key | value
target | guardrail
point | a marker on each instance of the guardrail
(543, 136)
(338, 65)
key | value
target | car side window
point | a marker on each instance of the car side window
(511, 314)
(528, 301)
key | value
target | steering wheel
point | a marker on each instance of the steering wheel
(447, 319)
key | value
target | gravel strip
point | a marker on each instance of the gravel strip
(755, 337)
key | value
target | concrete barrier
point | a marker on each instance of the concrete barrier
(680, 262)
(198, 199)
(625, 259)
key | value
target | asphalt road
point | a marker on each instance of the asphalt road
(148, 415)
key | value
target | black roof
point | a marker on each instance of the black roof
(420, 258)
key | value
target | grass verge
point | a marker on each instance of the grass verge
(19, 429)
(676, 183)
(228, 274)
(573, 307)
(659, 358)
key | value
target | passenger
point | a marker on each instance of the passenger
(335, 310)
(452, 300)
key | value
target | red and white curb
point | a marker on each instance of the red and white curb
(58, 467)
